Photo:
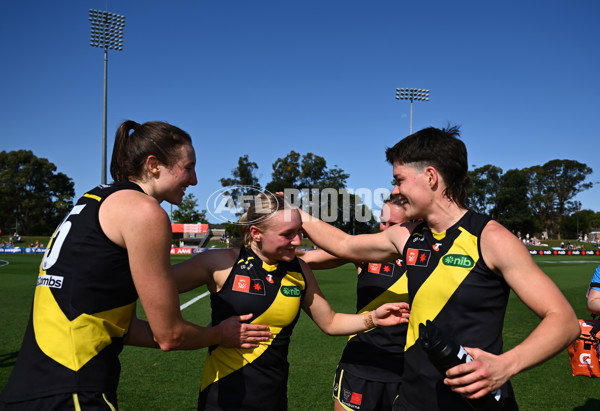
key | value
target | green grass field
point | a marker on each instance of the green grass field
(155, 380)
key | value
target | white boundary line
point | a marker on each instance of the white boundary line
(3, 263)
(193, 300)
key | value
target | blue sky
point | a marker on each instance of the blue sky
(265, 77)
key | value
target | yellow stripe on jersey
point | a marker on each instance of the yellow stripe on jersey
(223, 361)
(398, 292)
(93, 197)
(440, 285)
(74, 343)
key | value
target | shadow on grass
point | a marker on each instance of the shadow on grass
(590, 404)
(9, 359)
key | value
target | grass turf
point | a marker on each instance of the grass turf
(151, 379)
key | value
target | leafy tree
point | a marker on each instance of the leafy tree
(308, 171)
(579, 222)
(33, 195)
(186, 212)
(349, 223)
(511, 208)
(244, 181)
(286, 173)
(554, 185)
(485, 182)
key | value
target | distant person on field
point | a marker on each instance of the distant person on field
(372, 362)
(265, 277)
(593, 294)
(110, 250)
(461, 267)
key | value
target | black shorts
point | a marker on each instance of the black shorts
(85, 401)
(356, 393)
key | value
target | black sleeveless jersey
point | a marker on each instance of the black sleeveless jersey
(254, 379)
(378, 354)
(450, 285)
(82, 308)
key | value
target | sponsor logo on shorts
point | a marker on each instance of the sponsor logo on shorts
(458, 260)
(290, 290)
(351, 399)
(356, 398)
(52, 281)
(417, 257)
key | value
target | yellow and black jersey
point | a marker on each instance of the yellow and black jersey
(450, 285)
(378, 354)
(254, 379)
(82, 308)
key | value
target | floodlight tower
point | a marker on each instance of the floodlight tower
(107, 33)
(412, 94)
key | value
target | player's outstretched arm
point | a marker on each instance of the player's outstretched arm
(380, 247)
(320, 259)
(332, 323)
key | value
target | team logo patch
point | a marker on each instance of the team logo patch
(245, 284)
(417, 257)
(458, 260)
(241, 283)
(356, 398)
(290, 290)
(379, 268)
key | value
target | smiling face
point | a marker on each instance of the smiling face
(413, 185)
(276, 239)
(391, 214)
(175, 179)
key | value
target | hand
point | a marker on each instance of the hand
(486, 373)
(391, 314)
(235, 332)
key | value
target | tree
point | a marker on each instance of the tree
(484, 187)
(186, 212)
(308, 171)
(34, 198)
(511, 208)
(580, 222)
(286, 173)
(554, 185)
(365, 224)
(243, 183)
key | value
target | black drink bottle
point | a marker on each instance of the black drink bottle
(445, 354)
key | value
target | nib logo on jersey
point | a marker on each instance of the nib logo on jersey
(458, 260)
(248, 285)
(52, 281)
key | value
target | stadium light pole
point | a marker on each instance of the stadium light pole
(412, 94)
(107, 33)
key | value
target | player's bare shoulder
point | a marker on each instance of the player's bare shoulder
(400, 233)
(496, 243)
